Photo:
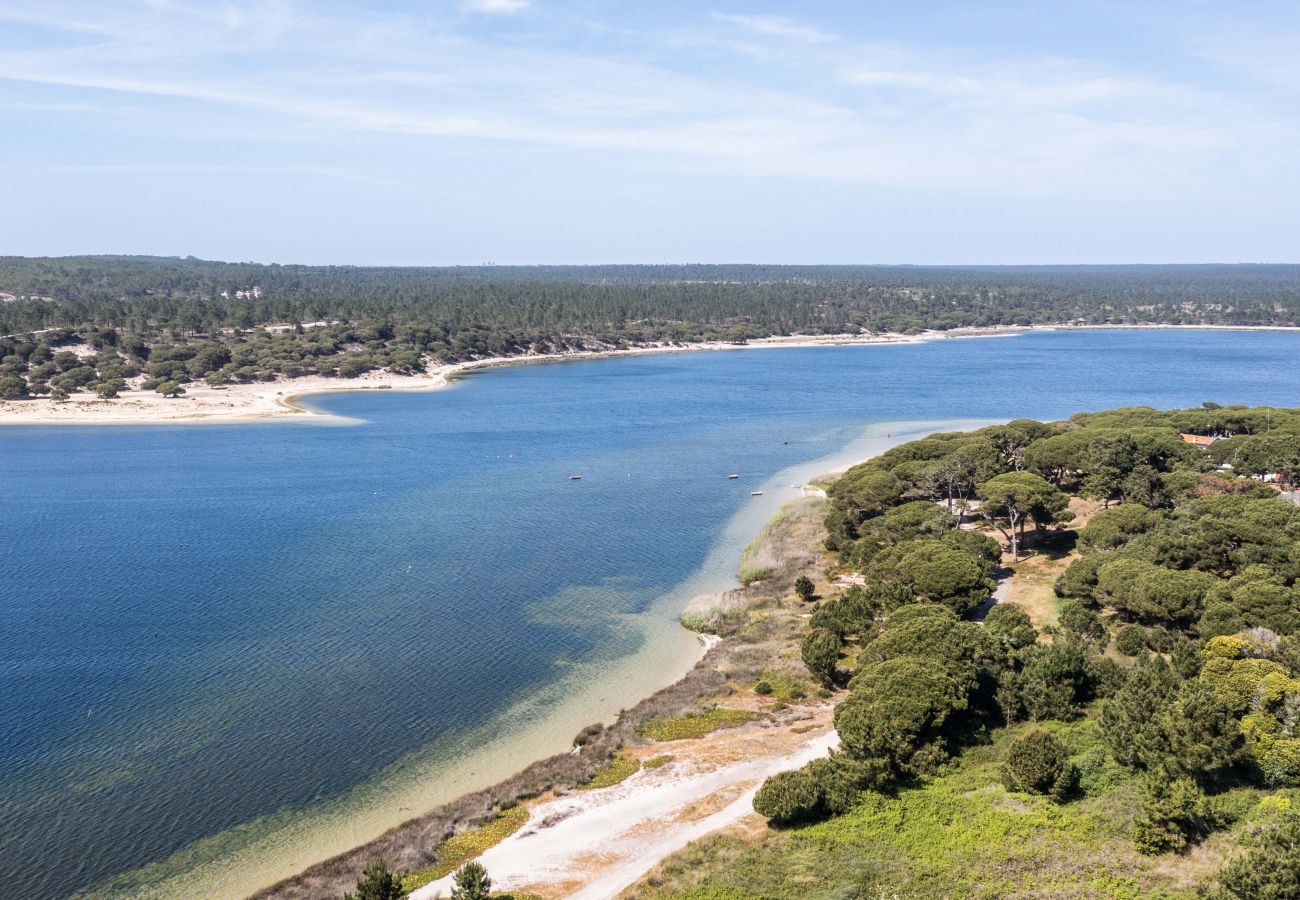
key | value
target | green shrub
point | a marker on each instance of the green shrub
(1105, 675)
(828, 786)
(1173, 813)
(1270, 870)
(805, 589)
(1131, 718)
(377, 883)
(789, 797)
(1038, 763)
(471, 883)
(1011, 625)
(821, 653)
(1131, 640)
(1081, 621)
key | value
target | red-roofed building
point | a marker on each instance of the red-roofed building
(1199, 440)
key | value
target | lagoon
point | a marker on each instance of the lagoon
(228, 650)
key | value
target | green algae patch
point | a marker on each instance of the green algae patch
(693, 725)
(620, 768)
(459, 849)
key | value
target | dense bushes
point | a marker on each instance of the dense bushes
(377, 883)
(1270, 870)
(1038, 763)
(821, 653)
(827, 786)
(1174, 811)
(897, 711)
(936, 573)
(1193, 574)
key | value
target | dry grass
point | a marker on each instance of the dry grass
(1048, 556)
(1032, 586)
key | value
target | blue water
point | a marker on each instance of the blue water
(207, 625)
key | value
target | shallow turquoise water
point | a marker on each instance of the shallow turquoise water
(206, 625)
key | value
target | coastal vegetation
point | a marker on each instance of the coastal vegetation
(458, 849)
(103, 324)
(619, 769)
(989, 749)
(693, 724)
(377, 883)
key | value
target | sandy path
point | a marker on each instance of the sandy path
(593, 844)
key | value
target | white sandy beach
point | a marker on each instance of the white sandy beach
(277, 399)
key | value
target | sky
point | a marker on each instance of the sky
(578, 131)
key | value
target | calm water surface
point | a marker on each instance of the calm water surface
(210, 626)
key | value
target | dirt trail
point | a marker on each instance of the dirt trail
(591, 845)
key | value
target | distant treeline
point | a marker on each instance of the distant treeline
(380, 317)
(635, 302)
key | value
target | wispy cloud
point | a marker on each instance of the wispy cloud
(889, 113)
(497, 6)
(205, 169)
(777, 27)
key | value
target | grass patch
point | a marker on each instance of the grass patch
(459, 849)
(751, 571)
(657, 761)
(759, 561)
(713, 620)
(781, 684)
(620, 768)
(693, 725)
(1034, 587)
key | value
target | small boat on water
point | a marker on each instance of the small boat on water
(755, 493)
(575, 477)
(732, 477)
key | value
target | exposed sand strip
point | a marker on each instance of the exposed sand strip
(591, 845)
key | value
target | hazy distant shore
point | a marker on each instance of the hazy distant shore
(263, 401)
(280, 399)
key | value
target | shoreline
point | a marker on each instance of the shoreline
(703, 678)
(408, 807)
(280, 400)
(283, 400)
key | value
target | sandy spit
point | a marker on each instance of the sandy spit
(279, 399)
